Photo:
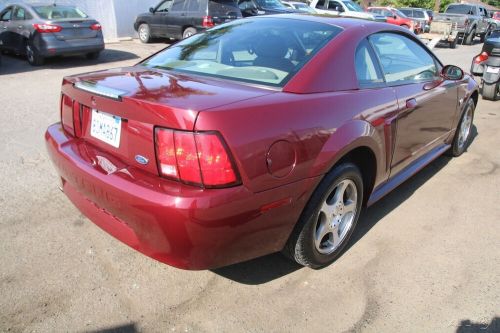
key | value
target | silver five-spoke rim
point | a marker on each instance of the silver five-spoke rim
(336, 217)
(465, 128)
(143, 32)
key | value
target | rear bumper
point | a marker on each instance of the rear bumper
(183, 226)
(49, 45)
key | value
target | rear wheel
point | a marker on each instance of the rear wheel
(464, 129)
(490, 91)
(93, 55)
(188, 32)
(453, 43)
(329, 218)
(144, 33)
(33, 56)
(470, 37)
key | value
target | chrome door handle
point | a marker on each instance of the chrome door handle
(20, 27)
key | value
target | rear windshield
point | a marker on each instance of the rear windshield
(59, 12)
(460, 9)
(266, 51)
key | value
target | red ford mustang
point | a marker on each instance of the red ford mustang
(260, 135)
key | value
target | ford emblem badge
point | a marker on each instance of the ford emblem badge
(141, 159)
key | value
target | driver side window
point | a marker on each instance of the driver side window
(334, 5)
(6, 16)
(403, 60)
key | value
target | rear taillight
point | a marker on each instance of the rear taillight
(481, 58)
(195, 158)
(67, 114)
(208, 22)
(46, 28)
(71, 115)
(96, 27)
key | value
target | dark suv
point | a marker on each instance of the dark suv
(178, 19)
(263, 7)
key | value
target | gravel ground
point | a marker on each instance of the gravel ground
(424, 259)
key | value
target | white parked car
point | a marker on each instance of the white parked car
(300, 6)
(343, 8)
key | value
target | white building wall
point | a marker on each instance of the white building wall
(116, 16)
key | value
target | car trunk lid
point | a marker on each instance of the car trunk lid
(131, 102)
(75, 29)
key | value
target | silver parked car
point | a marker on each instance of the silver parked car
(41, 31)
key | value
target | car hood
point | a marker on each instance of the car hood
(180, 91)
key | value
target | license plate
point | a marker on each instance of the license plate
(106, 128)
(494, 70)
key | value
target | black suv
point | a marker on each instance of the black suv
(178, 19)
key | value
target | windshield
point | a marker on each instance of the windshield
(352, 6)
(271, 4)
(459, 9)
(59, 12)
(266, 51)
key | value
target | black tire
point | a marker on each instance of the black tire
(33, 56)
(459, 146)
(188, 32)
(93, 55)
(144, 33)
(301, 245)
(490, 91)
(453, 43)
(482, 37)
(469, 39)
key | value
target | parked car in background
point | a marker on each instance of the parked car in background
(178, 19)
(300, 6)
(264, 7)
(487, 65)
(472, 20)
(420, 15)
(42, 31)
(345, 8)
(394, 16)
(263, 134)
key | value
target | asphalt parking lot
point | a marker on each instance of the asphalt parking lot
(426, 258)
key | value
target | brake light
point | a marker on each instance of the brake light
(46, 28)
(194, 158)
(481, 58)
(67, 114)
(96, 27)
(208, 22)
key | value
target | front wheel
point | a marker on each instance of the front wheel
(490, 91)
(464, 129)
(144, 33)
(33, 56)
(328, 219)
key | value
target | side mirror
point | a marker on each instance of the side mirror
(451, 72)
(151, 10)
(395, 17)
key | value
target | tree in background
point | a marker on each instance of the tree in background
(431, 4)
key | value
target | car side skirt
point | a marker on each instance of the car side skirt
(406, 173)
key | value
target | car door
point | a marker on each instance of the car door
(5, 33)
(20, 28)
(157, 24)
(427, 103)
(176, 18)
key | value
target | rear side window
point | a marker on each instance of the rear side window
(195, 5)
(418, 14)
(178, 6)
(403, 61)
(367, 71)
(59, 12)
(164, 7)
